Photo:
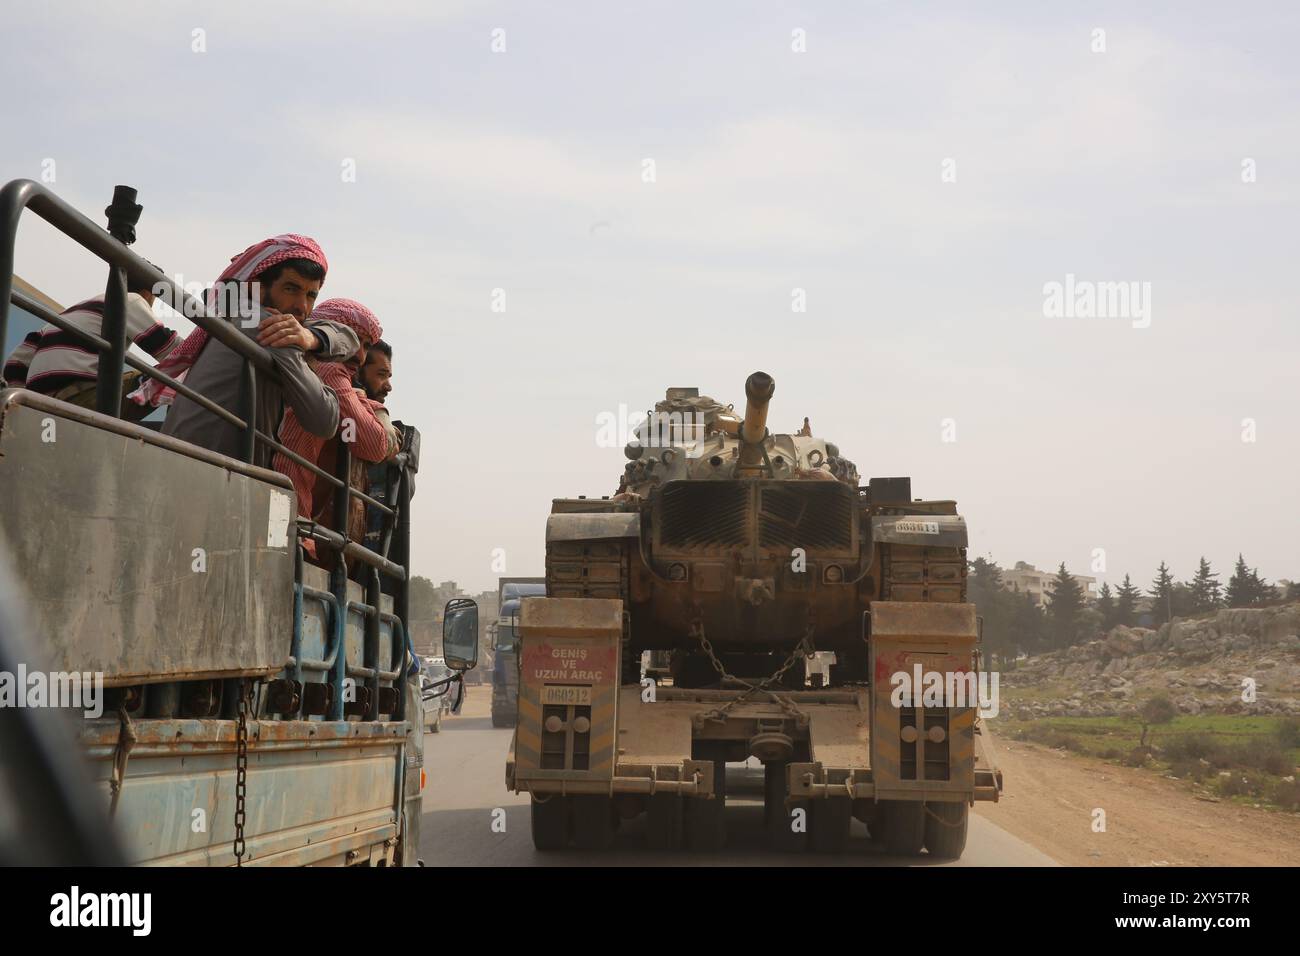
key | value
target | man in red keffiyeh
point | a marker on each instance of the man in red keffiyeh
(282, 276)
(364, 425)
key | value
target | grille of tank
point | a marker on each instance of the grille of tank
(815, 515)
(697, 514)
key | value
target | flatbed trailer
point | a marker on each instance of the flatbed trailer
(591, 752)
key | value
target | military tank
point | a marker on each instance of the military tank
(758, 542)
(740, 554)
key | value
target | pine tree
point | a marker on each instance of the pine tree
(1106, 605)
(1239, 593)
(1126, 598)
(1162, 594)
(1261, 592)
(993, 601)
(1065, 601)
(1205, 589)
(1027, 623)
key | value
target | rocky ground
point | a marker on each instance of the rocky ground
(1204, 665)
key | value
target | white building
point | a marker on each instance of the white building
(1038, 584)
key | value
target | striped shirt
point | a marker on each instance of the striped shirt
(50, 359)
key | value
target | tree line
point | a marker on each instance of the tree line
(1014, 623)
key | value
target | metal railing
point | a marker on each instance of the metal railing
(128, 270)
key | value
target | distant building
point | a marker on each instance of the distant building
(1038, 584)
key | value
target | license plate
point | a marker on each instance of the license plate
(567, 696)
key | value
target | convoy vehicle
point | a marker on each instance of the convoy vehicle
(256, 709)
(439, 697)
(742, 554)
(505, 652)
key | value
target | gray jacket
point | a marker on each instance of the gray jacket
(216, 375)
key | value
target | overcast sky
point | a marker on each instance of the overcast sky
(649, 185)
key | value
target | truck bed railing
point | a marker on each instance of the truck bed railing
(126, 269)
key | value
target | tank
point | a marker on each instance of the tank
(732, 544)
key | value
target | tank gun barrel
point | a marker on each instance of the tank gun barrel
(759, 389)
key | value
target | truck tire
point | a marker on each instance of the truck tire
(664, 822)
(945, 829)
(831, 819)
(706, 819)
(593, 821)
(551, 823)
(779, 819)
(903, 823)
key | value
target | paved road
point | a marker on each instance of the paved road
(466, 773)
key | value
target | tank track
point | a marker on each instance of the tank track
(918, 573)
(595, 569)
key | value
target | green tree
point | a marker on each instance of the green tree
(1064, 604)
(1162, 594)
(1241, 586)
(1028, 624)
(1205, 589)
(984, 589)
(1158, 709)
(1106, 607)
(1126, 598)
(1261, 591)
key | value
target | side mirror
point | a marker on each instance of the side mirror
(460, 634)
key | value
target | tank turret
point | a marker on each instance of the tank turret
(758, 539)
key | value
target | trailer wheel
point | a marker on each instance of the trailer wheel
(781, 835)
(551, 822)
(830, 824)
(664, 824)
(903, 822)
(593, 821)
(945, 829)
(706, 819)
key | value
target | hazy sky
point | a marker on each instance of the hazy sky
(920, 171)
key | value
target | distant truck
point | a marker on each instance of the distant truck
(505, 646)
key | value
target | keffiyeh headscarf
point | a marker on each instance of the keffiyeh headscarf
(245, 267)
(354, 315)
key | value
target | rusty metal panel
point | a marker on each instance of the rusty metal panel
(311, 799)
(102, 523)
(590, 527)
(567, 727)
(924, 621)
(915, 749)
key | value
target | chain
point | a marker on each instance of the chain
(241, 767)
(804, 648)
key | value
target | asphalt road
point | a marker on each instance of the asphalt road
(466, 802)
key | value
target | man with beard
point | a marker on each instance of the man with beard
(364, 427)
(286, 273)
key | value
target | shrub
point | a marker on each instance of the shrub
(1286, 794)
(1263, 753)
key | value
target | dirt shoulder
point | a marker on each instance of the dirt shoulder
(1050, 798)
